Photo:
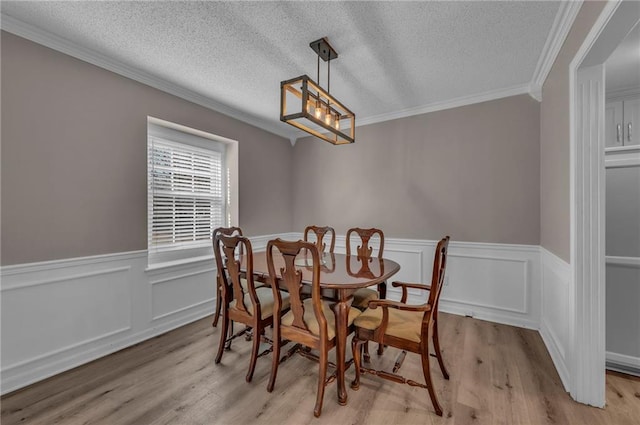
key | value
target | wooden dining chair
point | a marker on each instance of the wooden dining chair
(228, 231)
(310, 322)
(243, 302)
(320, 234)
(364, 251)
(404, 326)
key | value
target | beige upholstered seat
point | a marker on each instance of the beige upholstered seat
(362, 297)
(312, 322)
(407, 327)
(265, 298)
(402, 324)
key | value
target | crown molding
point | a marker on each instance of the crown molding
(63, 45)
(561, 26)
(559, 30)
(447, 104)
(437, 106)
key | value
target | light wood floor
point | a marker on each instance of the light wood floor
(499, 375)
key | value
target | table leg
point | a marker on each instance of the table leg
(341, 311)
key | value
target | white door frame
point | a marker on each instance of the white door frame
(587, 303)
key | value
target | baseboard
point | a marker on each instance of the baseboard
(490, 315)
(555, 351)
(623, 363)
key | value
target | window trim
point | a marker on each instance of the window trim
(175, 255)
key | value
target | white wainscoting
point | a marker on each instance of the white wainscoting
(57, 315)
(495, 282)
(556, 311)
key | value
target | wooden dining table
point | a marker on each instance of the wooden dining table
(340, 276)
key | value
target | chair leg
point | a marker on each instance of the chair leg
(254, 353)
(356, 349)
(366, 357)
(229, 332)
(223, 335)
(322, 376)
(275, 359)
(216, 315)
(436, 347)
(426, 371)
(382, 289)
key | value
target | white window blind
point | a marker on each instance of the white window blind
(186, 194)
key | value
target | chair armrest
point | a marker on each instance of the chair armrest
(412, 285)
(406, 285)
(398, 305)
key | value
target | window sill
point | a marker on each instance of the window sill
(177, 263)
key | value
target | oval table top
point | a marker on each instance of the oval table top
(338, 271)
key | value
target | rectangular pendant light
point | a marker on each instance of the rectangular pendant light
(307, 106)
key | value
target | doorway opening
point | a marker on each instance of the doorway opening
(587, 153)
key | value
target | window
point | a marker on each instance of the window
(188, 193)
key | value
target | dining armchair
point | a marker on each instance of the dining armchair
(243, 302)
(320, 234)
(407, 327)
(310, 322)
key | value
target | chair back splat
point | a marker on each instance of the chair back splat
(228, 231)
(364, 250)
(320, 234)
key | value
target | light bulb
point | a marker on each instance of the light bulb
(318, 112)
(327, 118)
(309, 107)
(337, 122)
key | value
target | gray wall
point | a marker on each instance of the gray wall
(623, 212)
(470, 172)
(555, 219)
(74, 158)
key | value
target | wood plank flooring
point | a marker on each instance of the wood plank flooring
(499, 375)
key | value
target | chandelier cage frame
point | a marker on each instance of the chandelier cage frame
(305, 105)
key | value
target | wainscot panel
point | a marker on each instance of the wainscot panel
(496, 282)
(556, 312)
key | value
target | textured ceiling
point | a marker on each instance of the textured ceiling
(393, 56)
